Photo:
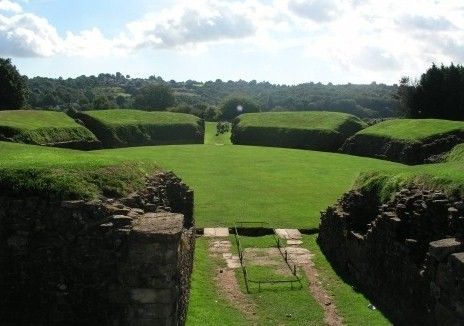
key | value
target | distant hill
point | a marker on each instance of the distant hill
(117, 91)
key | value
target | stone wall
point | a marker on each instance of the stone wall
(407, 255)
(121, 261)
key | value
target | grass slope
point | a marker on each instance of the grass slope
(122, 128)
(407, 140)
(412, 130)
(456, 155)
(306, 130)
(42, 128)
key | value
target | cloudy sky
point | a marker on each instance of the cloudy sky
(282, 41)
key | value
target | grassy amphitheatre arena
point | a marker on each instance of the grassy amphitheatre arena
(44, 128)
(123, 128)
(287, 188)
(406, 140)
(305, 130)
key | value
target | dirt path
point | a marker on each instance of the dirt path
(226, 281)
(302, 257)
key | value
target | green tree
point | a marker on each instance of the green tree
(236, 105)
(101, 103)
(438, 94)
(12, 87)
(154, 97)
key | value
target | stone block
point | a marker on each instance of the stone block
(456, 262)
(441, 249)
(289, 234)
(216, 232)
(121, 220)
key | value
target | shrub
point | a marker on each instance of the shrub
(234, 106)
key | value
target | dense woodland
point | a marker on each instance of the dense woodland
(107, 91)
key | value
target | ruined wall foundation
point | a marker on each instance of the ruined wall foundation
(121, 261)
(407, 255)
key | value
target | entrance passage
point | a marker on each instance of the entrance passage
(274, 267)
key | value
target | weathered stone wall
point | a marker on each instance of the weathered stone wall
(407, 255)
(106, 262)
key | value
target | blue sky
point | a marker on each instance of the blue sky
(281, 41)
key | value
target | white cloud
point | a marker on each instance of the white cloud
(27, 35)
(6, 5)
(190, 23)
(315, 10)
(88, 43)
(416, 22)
(362, 37)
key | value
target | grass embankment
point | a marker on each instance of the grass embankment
(43, 128)
(306, 130)
(456, 155)
(412, 130)
(411, 141)
(447, 177)
(123, 128)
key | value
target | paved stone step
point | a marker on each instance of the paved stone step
(288, 234)
(216, 232)
(294, 242)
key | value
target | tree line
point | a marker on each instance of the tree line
(438, 94)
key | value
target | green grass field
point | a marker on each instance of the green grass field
(123, 128)
(281, 186)
(41, 127)
(412, 130)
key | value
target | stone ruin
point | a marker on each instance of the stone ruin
(407, 256)
(121, 261)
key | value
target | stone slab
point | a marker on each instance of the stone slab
(288, 234)
(300, 256)
(216, 232)
(443, 248)
(294, 242)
